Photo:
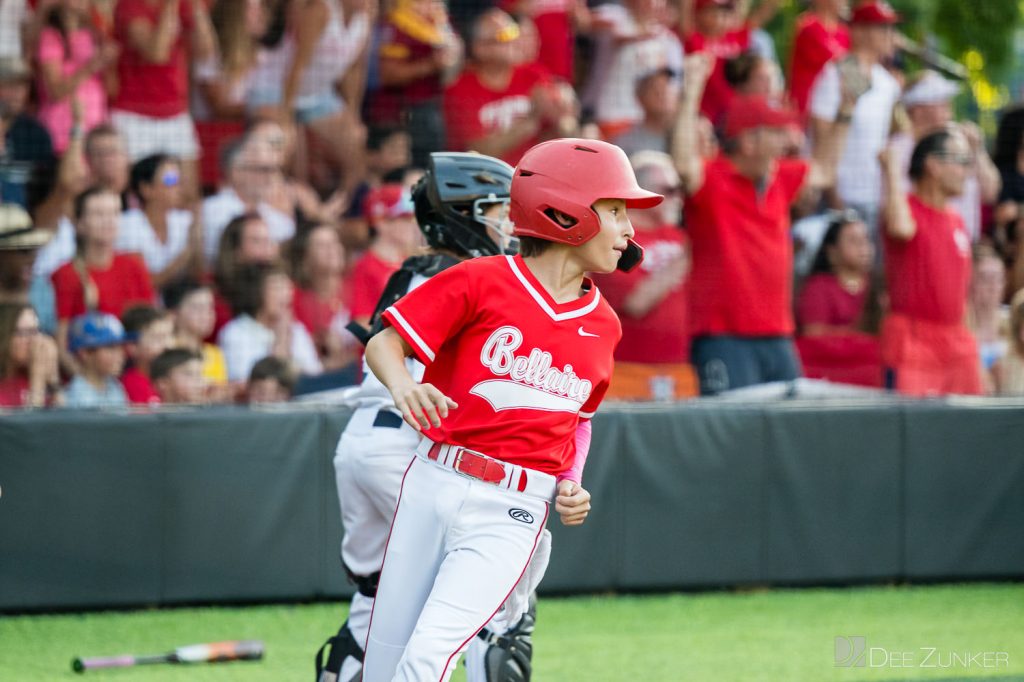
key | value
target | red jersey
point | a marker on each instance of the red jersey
(406, 38)
(523, 368)
(472, 110)
(125, 283)
(718, 93)
(156, 90)
(814, 46)
(741, 281)
(139, 388)
(928, 275)
(661, 335)
(823, 300)
(369, 278)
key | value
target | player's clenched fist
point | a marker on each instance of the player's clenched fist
(572, 503)
(422, 405)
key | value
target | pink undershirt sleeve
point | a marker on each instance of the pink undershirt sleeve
(575, 472)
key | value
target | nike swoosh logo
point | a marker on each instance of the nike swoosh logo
(583, 333)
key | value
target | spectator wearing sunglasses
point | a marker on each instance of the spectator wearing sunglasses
(167, 237)
(926, 346)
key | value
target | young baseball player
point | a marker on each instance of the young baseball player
(461, 207)
(518, 355)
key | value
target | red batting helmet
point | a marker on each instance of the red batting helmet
(569, 175)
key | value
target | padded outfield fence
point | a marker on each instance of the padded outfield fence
(229, 505)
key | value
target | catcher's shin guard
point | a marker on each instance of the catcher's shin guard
(342, 645)
(509, 657)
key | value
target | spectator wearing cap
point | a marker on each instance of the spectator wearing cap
(28, 359)
(631, 40)
(658, 95)
(417, 46)
(250, 169)
(264, 324)
(928, 100)
(396, 237)
(98, 277)
(20, 242)
(498, 107)
(926, 346)
(97, 340)
(27, 160)
(73, 71)
(737, 215)
(157, 38)
(388, 150)
(177, 375)
(820, 37)
(168, 238)
(651, 359)
(708, 26)
(860, 73)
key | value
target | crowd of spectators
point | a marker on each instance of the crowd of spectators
(199, 196)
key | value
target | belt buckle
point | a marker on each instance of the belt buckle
(457, 465)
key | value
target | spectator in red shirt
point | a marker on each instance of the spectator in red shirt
(151, 105)
(321, 295)
(833, 297)
(98, 277)
(738, 219)
(28, 359)
(417, 47)
(710, 29)
(821, 36)
(389, 209)
(926, 346)
(497, 107)
(651, 359)
(148, 333)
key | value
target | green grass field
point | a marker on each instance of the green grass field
(773, 635)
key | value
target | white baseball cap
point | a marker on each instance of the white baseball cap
(930, 88)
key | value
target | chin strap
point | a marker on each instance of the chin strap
(631, 257)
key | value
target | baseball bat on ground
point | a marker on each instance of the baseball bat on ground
(212, 652)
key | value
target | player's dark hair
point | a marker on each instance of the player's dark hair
(532, 246)
(175, 293)
(170, 360)
(275, 368)
(138, 318)
(928, 146)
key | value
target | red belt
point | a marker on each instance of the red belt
(476, 465)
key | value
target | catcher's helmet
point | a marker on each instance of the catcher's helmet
(451, 199)
(569, 175)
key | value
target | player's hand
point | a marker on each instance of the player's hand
(572, 503)
(422, 405)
